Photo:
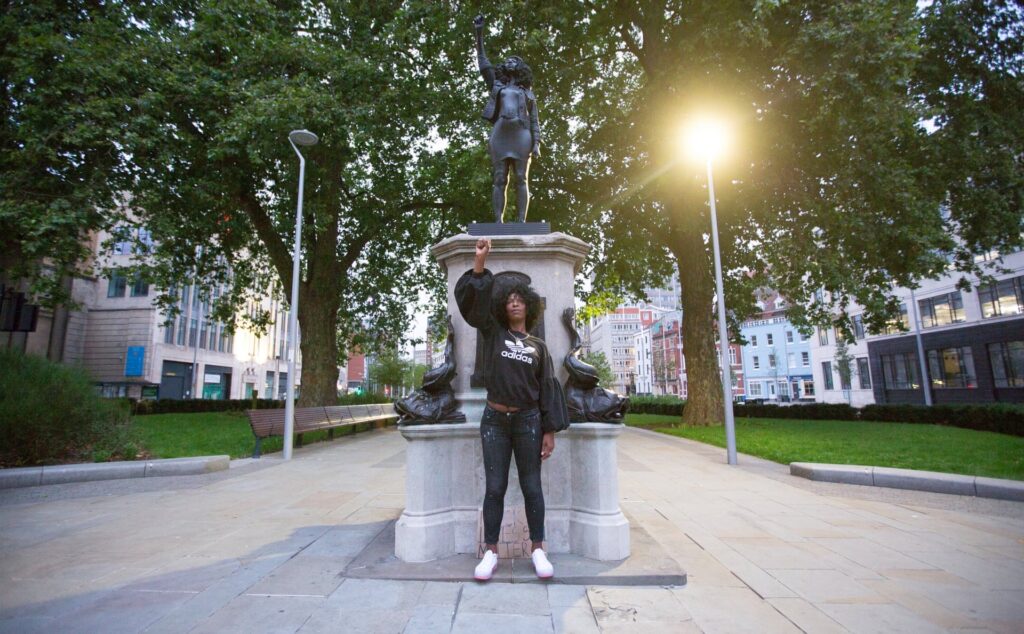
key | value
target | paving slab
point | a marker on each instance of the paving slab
(307, 546)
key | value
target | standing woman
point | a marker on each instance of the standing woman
(525, 403)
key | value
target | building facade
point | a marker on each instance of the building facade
(972, 343)
(613, 335)
(776, 356)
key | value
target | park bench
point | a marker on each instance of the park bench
(270, 422)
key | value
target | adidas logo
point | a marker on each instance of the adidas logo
(518, 351)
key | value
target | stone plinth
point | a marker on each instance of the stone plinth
(551, 262)
(445, 490)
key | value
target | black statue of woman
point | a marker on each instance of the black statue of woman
(515, 138)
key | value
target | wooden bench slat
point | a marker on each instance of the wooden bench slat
(270, 422)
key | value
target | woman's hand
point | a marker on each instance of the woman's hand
(547, 445)
(483, 247)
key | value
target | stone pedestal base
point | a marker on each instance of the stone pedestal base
(445, 489)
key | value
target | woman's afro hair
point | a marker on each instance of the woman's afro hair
(530, 298)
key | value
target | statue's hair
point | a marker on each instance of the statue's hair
(522, 75)
(530, 298)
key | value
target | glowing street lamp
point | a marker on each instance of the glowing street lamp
(296, 138)
(706, 139)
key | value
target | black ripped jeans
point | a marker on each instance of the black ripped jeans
(502, 435)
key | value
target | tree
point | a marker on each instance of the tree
(833, 182)
(605, 376)
(63, 67)
(213, 169)
(844, 366)
(389, 369)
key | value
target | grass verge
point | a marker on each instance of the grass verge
(900, 445)
(209, 434)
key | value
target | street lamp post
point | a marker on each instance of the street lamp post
(295, 138)
(706, 139)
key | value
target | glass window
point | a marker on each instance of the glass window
(845, 381)
(952, 368)
(941, 310)
(1005, 297)
(902, 324)
(193, 332)
(900, 371)
(826, 371)
(769, 338)
(757, 362)
(117, 285)
(789, 336)
(805, 359)
(771, 361)
(181, 331)
(808, 388)
(864, 373)
(755, 388)
(753, 340)
(169, 331)
(858, 326)
(1007, 359)
(823, 337)
(140, 287)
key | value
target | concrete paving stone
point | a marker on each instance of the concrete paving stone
(568, 597)
(806, 616)
(331, 620)
(475, 622)
(831, 559)
(503, 598)
(872, 555)
(439, 593)
(117, 611)
(802, 526)
(361, 594)
(202, 605)
(186, 575)
(569, 620)
(774, 553)
(304, 575)
(636, 605)
(347, 540)
(732, 610)
(326, 501)
(429, 619)
(986, 573)
(920, 605)
(880, 618)
(27, 625)
(826, 586)
(269, 615)
(759, 580)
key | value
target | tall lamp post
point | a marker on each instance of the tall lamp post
(706, 139)
(295, 138)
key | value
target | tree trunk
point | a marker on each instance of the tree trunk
(704, 384)
(318, 329)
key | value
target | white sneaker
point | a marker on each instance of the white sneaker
(541, 564)
(486, 567)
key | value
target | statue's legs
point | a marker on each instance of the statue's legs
(501, 169)
(522, 169)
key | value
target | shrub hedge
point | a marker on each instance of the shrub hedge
(996, 417)
(170, 406)
(51, 413)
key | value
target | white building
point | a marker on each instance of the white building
(613, 335)
(973, 344)
(641, 346)
(132, 349)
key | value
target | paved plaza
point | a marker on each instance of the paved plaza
(269, 546)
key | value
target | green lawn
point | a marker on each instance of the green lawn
(208, 434)
(906, 446)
